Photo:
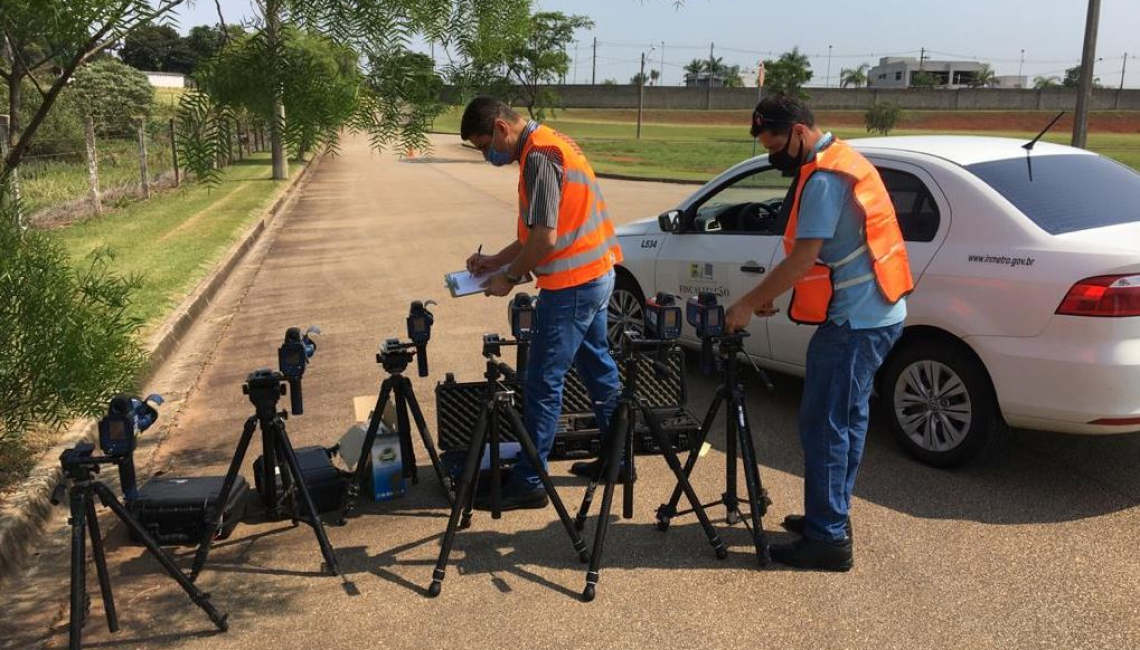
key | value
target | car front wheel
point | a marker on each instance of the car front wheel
(940, 403)
(626, 309)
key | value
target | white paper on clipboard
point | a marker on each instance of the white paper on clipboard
(463, 283)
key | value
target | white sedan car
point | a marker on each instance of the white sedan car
(1026, 311)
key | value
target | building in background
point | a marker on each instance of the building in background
(165, 79)
(900, 71)
(1010, 81)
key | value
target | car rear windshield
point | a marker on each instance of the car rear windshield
(1066, 193)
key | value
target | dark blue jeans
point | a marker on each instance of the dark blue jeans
(571, 330)
(841, 365)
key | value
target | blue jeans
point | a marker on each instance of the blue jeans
(841, 366)
(571, 330)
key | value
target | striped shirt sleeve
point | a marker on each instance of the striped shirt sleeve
(543, 180)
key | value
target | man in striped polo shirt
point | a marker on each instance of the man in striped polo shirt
(566, 239)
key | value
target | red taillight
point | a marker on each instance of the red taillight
(1105, 295)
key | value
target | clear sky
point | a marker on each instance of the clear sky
(743, 31)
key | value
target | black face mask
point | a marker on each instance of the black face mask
(784, 161)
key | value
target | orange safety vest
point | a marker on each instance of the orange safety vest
(586, 247)
(812, 294)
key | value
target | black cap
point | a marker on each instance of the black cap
(779, 113)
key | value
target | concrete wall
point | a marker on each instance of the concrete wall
(973, 99)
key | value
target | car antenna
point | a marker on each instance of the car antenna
(1028, 146)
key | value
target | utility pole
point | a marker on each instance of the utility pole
(640, 94)
(708, 79)
(575, 62)
(1084, 92)
(921, 58)
(594, 74)
(661, 72)
(1020, 67)
(1123, 68)
(828, 82)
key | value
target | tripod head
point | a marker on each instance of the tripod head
(293, 358)
(493, 349)
(707, 317)
(80, 464)
(264, 388)
(395, 355)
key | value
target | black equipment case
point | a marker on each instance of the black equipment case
(458, 403)
(326, 483)
(175, 510)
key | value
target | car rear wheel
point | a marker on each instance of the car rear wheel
(941, 405)
(626, 309)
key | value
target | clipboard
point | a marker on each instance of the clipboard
(463, 283)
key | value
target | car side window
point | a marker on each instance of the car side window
(748, 204)
(915, 207)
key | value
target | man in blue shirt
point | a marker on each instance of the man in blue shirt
(828, 231)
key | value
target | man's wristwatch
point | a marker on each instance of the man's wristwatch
(513, 279)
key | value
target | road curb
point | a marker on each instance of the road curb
(27, 510)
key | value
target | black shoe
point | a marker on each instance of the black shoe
(797, 523)
(514, 497)
(589, 469)
(808, 553)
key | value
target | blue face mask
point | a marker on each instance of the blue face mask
(496, 157)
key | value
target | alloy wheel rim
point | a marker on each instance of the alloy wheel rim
(933, 406)
(624, 313)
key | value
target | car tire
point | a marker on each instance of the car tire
(940, 403)
(627, 308)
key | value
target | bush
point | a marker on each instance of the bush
(62, 129)
(881, 117)
(116, 94)
(67, 343)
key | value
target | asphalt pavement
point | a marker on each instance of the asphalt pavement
(1034, 548)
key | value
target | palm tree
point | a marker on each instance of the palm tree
(732, 77)
(984, 77)
(654, 75)
(696, 66)
(715, 65)
(854, 76)
(1045, 82)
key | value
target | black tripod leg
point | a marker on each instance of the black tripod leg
(101, 567)
(496, 470)
(674, 463)
(214, 520)
(611, 466)
(666, 511)
(627, 471)
(421, 424)
(729, 498)
(598, 477)
(756, 496)
(78, 502)
(269, 470)
(404, 427)
(462, 499)
(200, 599)
(356, 486)
(519, 429)
(290, 458)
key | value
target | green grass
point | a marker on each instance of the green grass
(173, 240)
(697, 152)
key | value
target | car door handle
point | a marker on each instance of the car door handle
(752, 268)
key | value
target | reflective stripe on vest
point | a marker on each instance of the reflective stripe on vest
(882, 236)
(585, 245)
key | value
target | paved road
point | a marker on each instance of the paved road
(1035, 549)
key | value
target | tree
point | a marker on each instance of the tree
(881, 117)
(205, 41)
(854, 76)
(542, 57)
(654, 77)
(639, 79)
(696, 66)
(1073, 78)
(984, 77)
(114, 92)
(732, 77)
(924, 79)
(56, 37)
(153, 47)
(1041, 82)
(788, 74)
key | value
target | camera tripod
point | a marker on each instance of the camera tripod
(395, 357)
(619, 442)
(738, 443)
(497, 403)
(264, 389)
(80, 467)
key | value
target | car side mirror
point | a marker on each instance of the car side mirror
(667, 221)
